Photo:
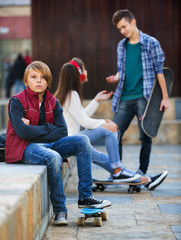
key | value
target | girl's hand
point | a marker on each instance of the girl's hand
(109, 121)
(103, 95)
(26, 121)
(111, 126)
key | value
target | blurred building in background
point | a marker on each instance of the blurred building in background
(15, 30)
(57, 30)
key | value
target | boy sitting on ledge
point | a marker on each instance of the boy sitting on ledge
(37, 134)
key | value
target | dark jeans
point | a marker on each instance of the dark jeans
(127, 110)
(51, 155)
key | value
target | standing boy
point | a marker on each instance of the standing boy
(140, 59)
(37, 134)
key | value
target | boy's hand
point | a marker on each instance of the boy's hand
(26, 121)
(113, 78)
(103, 95)
(164, 104)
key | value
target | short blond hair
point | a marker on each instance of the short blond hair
(41, 68)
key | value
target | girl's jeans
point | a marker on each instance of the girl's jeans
(124, 116)
(51, 155)
(111, 161)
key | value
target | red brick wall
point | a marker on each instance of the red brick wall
(19, 27)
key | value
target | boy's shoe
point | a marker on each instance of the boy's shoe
(129, 171)
(125, 176)
(60, 219)
(93, 202)
(156, 180)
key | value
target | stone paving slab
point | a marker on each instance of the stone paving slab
(145, 215)
(177, 231)
(170, 208)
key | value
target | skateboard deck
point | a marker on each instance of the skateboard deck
(152, 116)
(2, 154)
(95, 213)
(133, 186)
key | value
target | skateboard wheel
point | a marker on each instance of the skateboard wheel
(94, 189)
(104, 216)
(81, 221)
(97, 221)
(101, 188)
(138, 189)
(130, 190)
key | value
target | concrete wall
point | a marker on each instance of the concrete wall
(169, 131)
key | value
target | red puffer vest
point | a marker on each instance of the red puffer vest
(15, 146)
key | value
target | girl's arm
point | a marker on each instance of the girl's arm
(77, 111)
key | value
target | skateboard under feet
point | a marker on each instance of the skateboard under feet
(94, 213)
(133, 186)
(102, 187)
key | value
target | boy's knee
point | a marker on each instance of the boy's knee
(55, 159)
(84, 141)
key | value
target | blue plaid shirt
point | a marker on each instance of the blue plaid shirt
(152, 57)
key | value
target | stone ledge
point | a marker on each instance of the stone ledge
(24, 201)
(104, 110)
(168, 134)
(25, 208)
(169, 131)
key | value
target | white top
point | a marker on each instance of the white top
(76, 115)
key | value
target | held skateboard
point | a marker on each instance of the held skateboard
(2, 153)
(152, 116)
(97, 214)
(133, 186)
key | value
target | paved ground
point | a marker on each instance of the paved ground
(145, 215)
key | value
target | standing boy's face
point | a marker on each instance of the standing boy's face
(36, 81)
(126, 28)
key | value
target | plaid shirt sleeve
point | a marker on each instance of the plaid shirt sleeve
(121, 55)
(153, 58)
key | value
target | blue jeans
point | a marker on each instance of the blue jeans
(51, 155)
(109, 138)
(124, 116)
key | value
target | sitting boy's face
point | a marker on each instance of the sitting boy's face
(36, 82)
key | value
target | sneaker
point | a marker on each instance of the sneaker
(93, 202)
(156, 180)
(129, 171)
(60, 219)
(125, 176)
(112, 186)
